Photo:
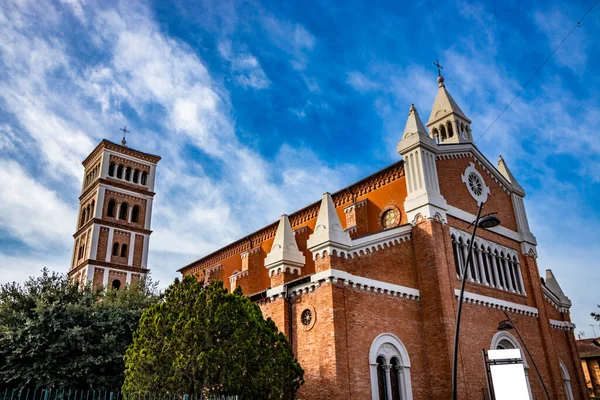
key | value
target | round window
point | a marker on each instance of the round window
(475, 184)
(390, 218)
(306, 317)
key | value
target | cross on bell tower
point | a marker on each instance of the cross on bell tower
(125, 131)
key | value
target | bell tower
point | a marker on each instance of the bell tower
(115, 210)
(447, 122)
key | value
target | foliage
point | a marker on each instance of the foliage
(203, 340)
(54, 333)
(596, 316)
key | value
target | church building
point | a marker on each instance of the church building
(364, 283)
(115, 210)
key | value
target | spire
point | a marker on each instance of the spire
(444, 104)
(447, 122)
(414, 125)
(552, 284)
(284, 251)
(503, 168)
(328, 229)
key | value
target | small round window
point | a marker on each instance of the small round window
(390, 218)
(306, 317)
(475, 184)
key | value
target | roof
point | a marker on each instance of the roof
(443, 105)
(340, 197)
(107, 144)
(588, 348)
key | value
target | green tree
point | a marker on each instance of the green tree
(203, 340)
(596, 316)
(55, 334)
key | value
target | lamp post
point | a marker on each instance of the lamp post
(487, 221)
(508, 324)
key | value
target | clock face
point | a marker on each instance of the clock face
(306, 317)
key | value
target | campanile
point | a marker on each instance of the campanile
(115, 210)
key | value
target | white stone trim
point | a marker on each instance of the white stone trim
(389, 346)
(468, 217)
(94, 241)
(354, 281)
(105, 277)
(145, 245)
(109, 243)
(127, 192)
(370, 243)
(564, 325)
(553, 300)
(131, 248)
(236, 275)
(130, 158)
(492, 302)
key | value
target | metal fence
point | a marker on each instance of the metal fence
(62, 394)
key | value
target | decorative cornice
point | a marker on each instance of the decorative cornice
(553, 300)
(116, 184)
(118, 225)
(238, 275)
(111, 265)
(564, 325)
(333, 276)
(357, 205)
(301, 230)
(107, 144)
(251, 251)
(369, 243)
(493, 302)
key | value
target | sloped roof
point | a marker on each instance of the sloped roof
(588, 348)
(444, 104)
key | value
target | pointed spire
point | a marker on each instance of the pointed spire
(503, 168)
(328, 229)
(444, 104)
(284, 250)
(552, 284)
(414, 125)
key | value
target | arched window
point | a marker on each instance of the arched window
(120, 172)
(136, 176)
(115, 251)
(566, 379)
(450, 131)
(116, 284)
(111, 169)
(123, 211)
(83, 217)
(387, 352)
(124, 250)
(111, 208)
(135, 214)
(88, 212)
(504, 341)
(144, 177)
(80, 255)
(443, 132)
(128, 174)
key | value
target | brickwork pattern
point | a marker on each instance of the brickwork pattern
(98, 278)
(131, 201)
(138, 251)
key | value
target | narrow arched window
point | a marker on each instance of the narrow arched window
(115, 251)
(566, 379)
(80, 255)
(395, 379)
(443, 132)
(111, 169)
(111, 208)
(83, 217)
(123, 211)
(124, 250)
(136, 176)
(450, 131)
(120, 172)
(381, 381)
(116, 284)
(128, 174)
(144, 178)
(135, 214)
(89, 212)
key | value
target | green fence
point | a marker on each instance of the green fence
(62, 394)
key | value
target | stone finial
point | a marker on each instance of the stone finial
(414, 125)
(284, 250)
(552, 284)
(328, 229)
(503, 169)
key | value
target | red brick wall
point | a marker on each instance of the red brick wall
(138, 251)
(98, 278)
(102, 244)
(131, 201)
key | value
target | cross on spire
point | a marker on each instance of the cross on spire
(439, 67)
(125, 131)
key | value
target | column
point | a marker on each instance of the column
(475, 263)
(520, 277)
(509, 283)
(99, 202)
(129, 212)
(131, 244)
(466, 262)
(145, 251)
(481, 267)
(118, 211)
(94, 242)
(105, 277)
(148, 215)
(388, 386)
(128, 278)
(491, 272)
(109, 244)
(497, 271)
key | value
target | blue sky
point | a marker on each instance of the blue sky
(259, 107)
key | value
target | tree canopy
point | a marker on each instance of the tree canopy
(54, 333)
(203, 340)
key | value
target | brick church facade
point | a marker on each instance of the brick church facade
(365, 282)
(115, 210)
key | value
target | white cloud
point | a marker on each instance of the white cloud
(291, 38)
(247, 69)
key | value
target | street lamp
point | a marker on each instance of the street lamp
(508, 324)
(486, 222)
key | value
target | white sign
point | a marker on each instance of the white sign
(509, 379)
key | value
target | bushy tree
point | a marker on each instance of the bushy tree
(54, 333)
(203, 340)
(596, 316)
